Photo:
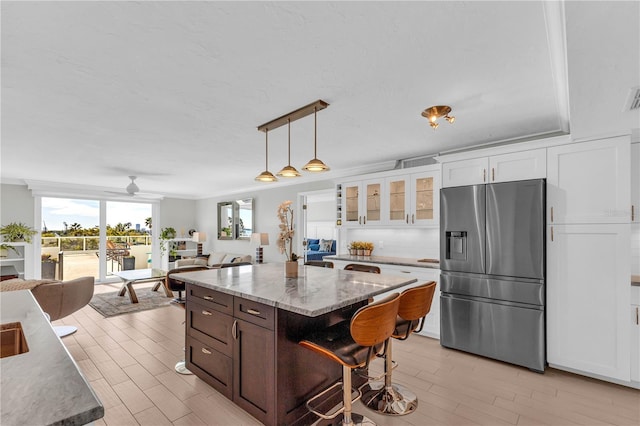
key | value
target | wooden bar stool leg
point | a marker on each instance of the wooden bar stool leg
(390, 399)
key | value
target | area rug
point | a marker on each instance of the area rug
(110, 304)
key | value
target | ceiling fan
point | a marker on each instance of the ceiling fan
(132, 190)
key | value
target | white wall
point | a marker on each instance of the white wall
(266, 204)
(16, 205)
(178, 214)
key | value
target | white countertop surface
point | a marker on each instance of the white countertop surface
(316, 291)
(387, 260)
(44, 385)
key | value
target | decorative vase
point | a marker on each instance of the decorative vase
(291, 269)
(367, 252)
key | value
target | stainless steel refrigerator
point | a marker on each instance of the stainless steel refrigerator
(492, 257)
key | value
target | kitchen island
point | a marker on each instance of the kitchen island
(41, 384)
(244, 324)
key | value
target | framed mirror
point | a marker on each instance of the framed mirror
(244, 219)
(225, 220)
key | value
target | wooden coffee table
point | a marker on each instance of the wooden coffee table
(137, 276)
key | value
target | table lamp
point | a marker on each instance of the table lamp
(199, 237)
(262, 239)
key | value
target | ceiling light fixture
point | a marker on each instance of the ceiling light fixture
(315, 165)
(289, 170)
(266, 176)
(433, 113)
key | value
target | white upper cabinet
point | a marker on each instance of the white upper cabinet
(635, 182)
(522, 165)
(588, 182)
(412, 199)
(363, 202)
(465, 172)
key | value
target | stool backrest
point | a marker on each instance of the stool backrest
(415, 303)
(373, 324)
(362, 268)
(321, 263)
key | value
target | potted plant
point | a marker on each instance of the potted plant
(367, 248)
(48, 265)
(17, 231)
(4, 249)
(166, 234)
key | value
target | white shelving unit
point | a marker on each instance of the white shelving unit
(190, 250)
(22, 260)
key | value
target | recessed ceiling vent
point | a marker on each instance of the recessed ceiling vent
(415, 162)
(633, 100)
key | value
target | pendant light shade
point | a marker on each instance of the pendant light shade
(266, 176)
(288, 170)
(315, 165)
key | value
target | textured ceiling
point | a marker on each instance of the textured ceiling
(173, 91)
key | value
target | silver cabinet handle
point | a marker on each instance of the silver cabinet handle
(493, 174)
(407, 217)
(552, 233)
(359, 220)
(253, 312)
(413, 218)
(633, 213)
(552, 214)
(208, 298)
(484, 175)
(234, 330)
(364, 220)
(206, 313)
(206, 351)
(637, 315)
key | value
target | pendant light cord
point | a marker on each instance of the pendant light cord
(315, 132)
(289, 125)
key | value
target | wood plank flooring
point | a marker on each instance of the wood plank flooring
(129, 361)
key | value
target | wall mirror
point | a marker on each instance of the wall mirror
(225, 220)
(245, 223)
(236, 219)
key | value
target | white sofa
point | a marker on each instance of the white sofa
(215, 260)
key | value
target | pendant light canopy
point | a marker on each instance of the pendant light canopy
(315, 165)
(288, 170)
(266, 176)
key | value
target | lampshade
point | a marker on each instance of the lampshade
(262, 239)
(199, 237)
(266, 176)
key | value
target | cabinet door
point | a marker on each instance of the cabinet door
(254, 370)
(398, 200)
(372, 202)
(465, 172)
(351, 204)
(522, 165)
(588, 299)
(635, 182)
(588, 182)
(425, 198)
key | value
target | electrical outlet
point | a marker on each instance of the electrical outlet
(381, 244)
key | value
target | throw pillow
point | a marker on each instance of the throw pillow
(312, 241)
(325, 245)
(314, 247)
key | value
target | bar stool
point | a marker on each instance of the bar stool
(321, 263)
(362, 268)
(353, 344)
(394, 399)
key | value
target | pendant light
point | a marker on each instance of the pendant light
(266, 176)
(315, 165)
(288, 170)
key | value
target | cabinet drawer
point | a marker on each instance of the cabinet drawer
(210, 326)
(254, 312)
(212, 299)
(210, 365)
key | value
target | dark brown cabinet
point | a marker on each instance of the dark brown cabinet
(249, 352)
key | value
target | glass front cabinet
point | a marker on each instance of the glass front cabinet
(402, 200)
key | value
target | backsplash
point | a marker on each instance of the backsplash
(415, 243)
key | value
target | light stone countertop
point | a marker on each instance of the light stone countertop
(44, 385)
(384, 260)
(316, 291)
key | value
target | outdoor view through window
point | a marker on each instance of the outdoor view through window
(71, 237)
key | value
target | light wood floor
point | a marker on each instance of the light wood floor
(129, 362)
